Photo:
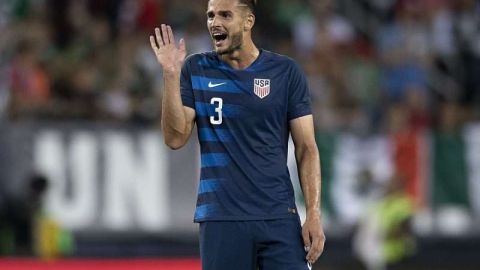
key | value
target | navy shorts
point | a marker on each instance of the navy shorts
(251, 245)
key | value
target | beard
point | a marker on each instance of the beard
(236, 43)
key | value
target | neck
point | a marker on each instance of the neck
(242, 57)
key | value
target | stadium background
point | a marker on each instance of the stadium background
(84, 174)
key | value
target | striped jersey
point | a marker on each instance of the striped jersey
(242, 119)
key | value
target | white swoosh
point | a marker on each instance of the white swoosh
(210, 84)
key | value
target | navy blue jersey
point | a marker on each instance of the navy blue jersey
(242, 119)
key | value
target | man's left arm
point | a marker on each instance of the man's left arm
(308, 164)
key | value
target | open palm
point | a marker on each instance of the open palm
(164, 46)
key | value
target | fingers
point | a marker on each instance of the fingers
(153, 44)
(166, 39)
(164, 35)
(306, 239)
(315, 250)
(170, 35)
(159, 37)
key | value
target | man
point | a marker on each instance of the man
(245, 101)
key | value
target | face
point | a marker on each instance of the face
(226, 20)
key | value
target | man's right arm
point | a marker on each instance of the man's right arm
(177, 120)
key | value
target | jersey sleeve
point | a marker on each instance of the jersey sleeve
(299, 103)
(186, 90)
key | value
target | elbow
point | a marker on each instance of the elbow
(173, 143)
(173, 138)
(174, 146)
(307, 150)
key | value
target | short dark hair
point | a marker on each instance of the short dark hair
(251, 4)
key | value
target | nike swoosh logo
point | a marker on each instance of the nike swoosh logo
(211, 85)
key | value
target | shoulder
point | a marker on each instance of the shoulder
(195, 63)
(279, 58)
(198, 58)
(282, 62)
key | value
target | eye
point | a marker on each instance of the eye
(210, 15)
(226, 14)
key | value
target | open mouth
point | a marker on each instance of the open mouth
(219, 37)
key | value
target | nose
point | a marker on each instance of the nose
(214, 21)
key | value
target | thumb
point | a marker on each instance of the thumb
(181, 45)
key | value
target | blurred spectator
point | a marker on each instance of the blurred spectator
(30, 85)
(384, 237)
(18, 218)
(25, 229)
(363, 81)
(467, 33)
(405, 50)
(450, 183)
(406, 153)
(361, 167)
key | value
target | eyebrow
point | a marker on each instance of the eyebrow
(220, 12)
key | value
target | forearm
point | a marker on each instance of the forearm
(308, 162)
(174, 122)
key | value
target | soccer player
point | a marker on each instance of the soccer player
(245, 102)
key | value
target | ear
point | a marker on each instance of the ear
(249, 22)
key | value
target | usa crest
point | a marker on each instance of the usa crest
(261, 87)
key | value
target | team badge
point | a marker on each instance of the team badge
(261, 87)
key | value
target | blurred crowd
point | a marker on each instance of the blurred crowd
(372, 65)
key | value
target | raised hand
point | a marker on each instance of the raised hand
(164, 46)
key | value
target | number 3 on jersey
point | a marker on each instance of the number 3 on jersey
(217, 119)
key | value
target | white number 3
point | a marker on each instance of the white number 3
(218, 102)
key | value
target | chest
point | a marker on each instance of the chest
(241, 94)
